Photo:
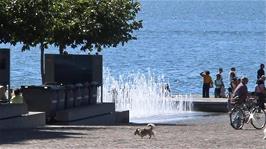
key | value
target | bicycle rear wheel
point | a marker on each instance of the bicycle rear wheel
(259, 118)
(237, 118)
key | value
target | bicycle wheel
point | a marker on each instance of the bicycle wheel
(237, 118)
(258, 118)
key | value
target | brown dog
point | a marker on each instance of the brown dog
(145, 131)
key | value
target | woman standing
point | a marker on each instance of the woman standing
(222, 91)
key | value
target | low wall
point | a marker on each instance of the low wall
(208, 104)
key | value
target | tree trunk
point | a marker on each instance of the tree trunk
(42, 62)
(61, 49)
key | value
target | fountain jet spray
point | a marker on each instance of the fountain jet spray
(143, 95)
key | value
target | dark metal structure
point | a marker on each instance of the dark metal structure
(69, 81)
(71, 69)
(5, 69)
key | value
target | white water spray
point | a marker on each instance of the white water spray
(143, 95)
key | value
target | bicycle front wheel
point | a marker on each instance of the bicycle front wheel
(258, 119)
(237, 118)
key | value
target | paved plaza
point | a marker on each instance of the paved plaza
(206, 132)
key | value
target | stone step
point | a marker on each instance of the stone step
(12, 110)
(121, 117)
(84, 112)
(29, 120)
(210, 106)
(118, 117)
(207, 104)
(106, 119)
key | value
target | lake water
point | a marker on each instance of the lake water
(172, 118)
(179, 39)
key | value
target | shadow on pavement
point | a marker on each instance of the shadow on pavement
(18, 136)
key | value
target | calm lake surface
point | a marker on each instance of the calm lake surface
(179, 39)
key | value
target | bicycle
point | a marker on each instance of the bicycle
(247, 112)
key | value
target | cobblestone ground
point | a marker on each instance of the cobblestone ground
(207, 132)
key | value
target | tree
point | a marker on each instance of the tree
(90, 24)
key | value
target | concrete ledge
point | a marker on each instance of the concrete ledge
(84, 112)
(12, 110)
(121, 117)
(211, 99)
(107, 119)
(30, 120)
(210, 106)
(207, 104)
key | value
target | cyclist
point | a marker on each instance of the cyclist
(240, 94)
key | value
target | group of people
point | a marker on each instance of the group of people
(219, 90)
(238, 86)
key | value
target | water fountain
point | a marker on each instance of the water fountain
(145, 96)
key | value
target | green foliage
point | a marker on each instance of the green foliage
(92, 24)
(27, 22)
(106, 22)
(5, 36)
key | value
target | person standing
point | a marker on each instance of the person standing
(222, 90)
(220, 71)
(167, 90)
(260, 72)
(232, 74)
(207, 83)
(260, 91)
(218, 82)
(234, 83)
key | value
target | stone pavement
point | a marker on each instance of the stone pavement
(206, 132)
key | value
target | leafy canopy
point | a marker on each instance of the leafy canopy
(91, 24)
